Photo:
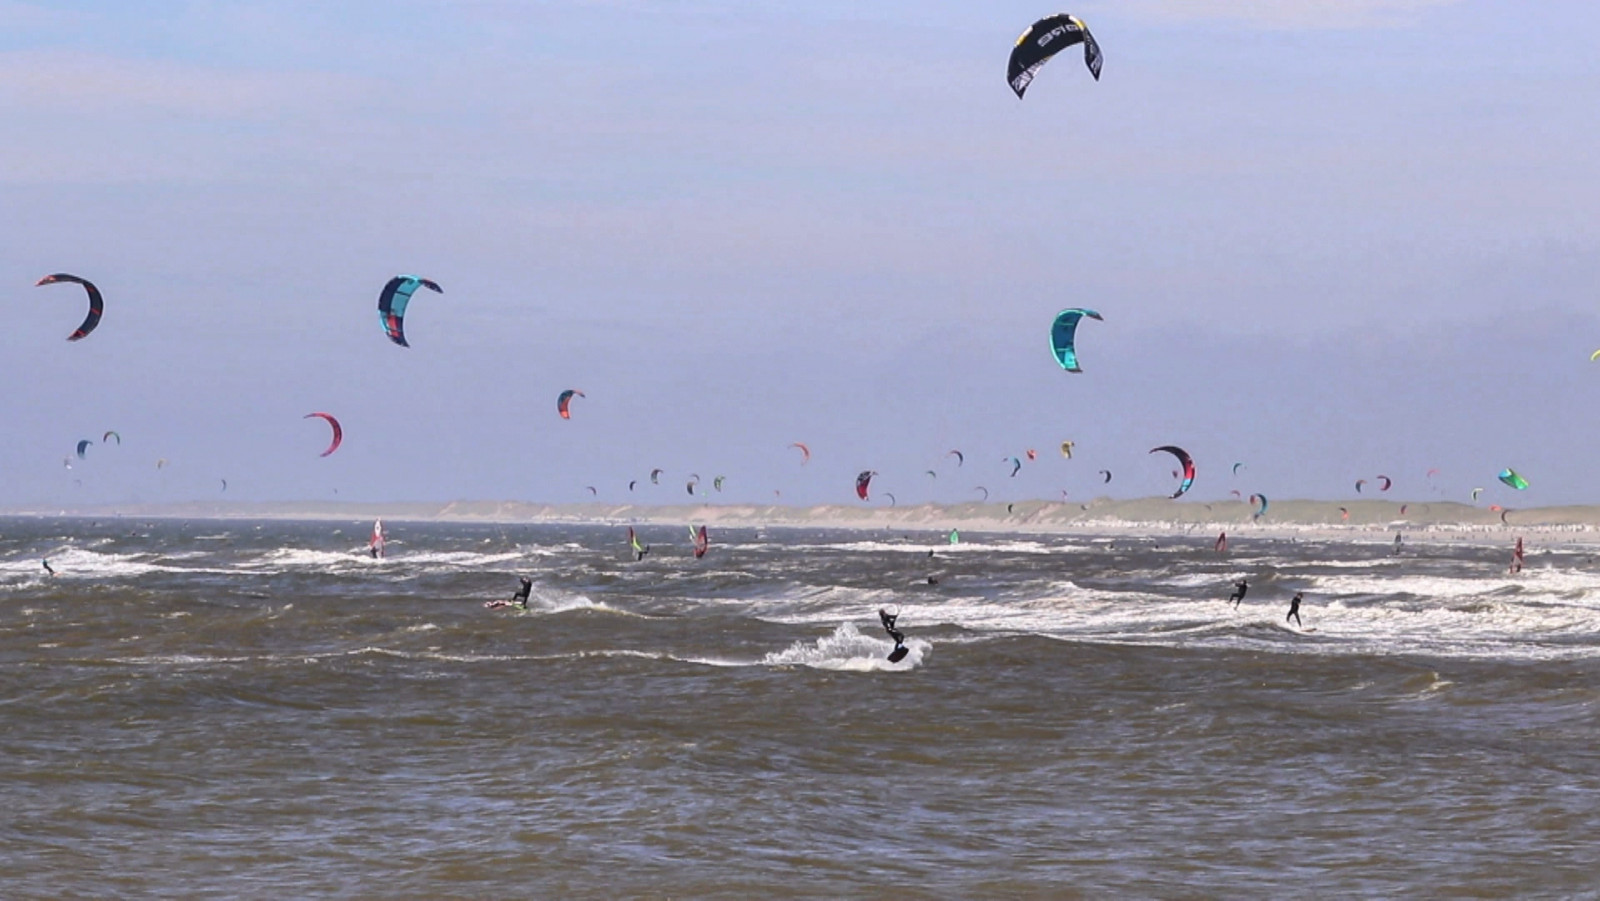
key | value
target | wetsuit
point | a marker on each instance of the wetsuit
(521, 597)
(1294, 609)
(48, 568)
(888, 626)
(1239, 588)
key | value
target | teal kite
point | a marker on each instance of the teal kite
(1063, 334)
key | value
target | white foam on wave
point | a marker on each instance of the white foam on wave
(847, 650)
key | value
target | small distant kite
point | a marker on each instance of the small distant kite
(863, 482)
(1107, 474)
(1016, 465)
(961, 459)
(564, 402)
(984, 490)
(97, 304)
(83, 446)
(1511, 479)
(1185, 461)
(1063, 337)
(805, 452)
(394, 299)
(1066, 449)
(106, 438)
(338, 433)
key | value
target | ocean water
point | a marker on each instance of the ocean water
(225, 709)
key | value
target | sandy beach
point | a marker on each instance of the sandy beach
(1420, 521)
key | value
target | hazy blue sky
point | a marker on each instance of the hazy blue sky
(1330, 238)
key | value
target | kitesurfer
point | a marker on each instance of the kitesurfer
(1397, 544)
(48, 568)
(933, 580)
(1239, 589)
(888, 626)
(520, 599)
(1294, 608)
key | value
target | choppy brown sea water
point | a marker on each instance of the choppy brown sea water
(202, 709)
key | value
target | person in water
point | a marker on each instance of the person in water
(520, 599)
(48, 568)
(1516, 558)
(888, 626)
(1239, 589)
(1294, 608)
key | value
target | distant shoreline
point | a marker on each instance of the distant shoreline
(1155, 516)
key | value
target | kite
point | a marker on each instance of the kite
(655, 476)
(392, 302)
(106, 438)
(1063, 335)
(984, 490)
(1043, 40)
(890, 496)
(805, 453)
(1185, 461)
(338, 433)
(1016, 465)
(862, 482)
(1386, 483)
(1510, 478)
(961, 459)
(83, 446)
(1359, 483)
(717, 482)
(1237, 467)
(1107, 474)
(564, 402)
(1066, 449)
(1476, 492)
(97, 304)
(1262, 500)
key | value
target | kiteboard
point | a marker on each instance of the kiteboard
(898, 654)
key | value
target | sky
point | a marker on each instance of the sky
(1330, 239)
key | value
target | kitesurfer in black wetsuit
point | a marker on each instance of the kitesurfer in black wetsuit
(520, 599)
(888, 626)
(1239, 588)
(1294, 608)
(48, 568)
